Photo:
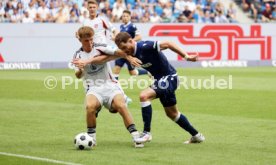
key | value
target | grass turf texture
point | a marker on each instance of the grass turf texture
(239, 124)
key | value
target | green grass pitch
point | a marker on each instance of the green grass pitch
(239, 124)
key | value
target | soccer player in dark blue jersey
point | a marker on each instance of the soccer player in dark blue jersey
(131, 29)
(165, 84)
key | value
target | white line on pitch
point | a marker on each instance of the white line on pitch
(38, 158)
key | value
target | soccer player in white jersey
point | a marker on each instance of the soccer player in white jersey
(101, 87)
(101, 26)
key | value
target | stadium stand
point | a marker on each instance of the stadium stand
(259, 10)
(153, 11)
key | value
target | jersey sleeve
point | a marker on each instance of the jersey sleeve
(151, 46)
(108, 50)
(108, 25)
(136, 31)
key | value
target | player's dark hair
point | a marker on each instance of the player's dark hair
(127, 11)
(122, 37)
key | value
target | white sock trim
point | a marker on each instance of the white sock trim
(135, 133)
(145, 104)
(177, 117)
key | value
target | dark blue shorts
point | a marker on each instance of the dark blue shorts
(120, 62)
(165, 89)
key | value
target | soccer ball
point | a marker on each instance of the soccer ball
(83, 141)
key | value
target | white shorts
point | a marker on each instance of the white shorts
(105, 49)
(105, 93)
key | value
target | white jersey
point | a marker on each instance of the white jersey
(100, 26)
(95, 75)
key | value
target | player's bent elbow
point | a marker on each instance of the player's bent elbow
(166, 45)
(170, 44)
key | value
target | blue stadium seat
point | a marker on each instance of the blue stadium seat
(132, 2)
(111, 2)
(158, 9)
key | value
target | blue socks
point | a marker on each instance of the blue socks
(146, 114)
(183, 122)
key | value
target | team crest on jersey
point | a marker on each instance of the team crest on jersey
(96, 26)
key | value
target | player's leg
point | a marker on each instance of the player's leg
(168, 100)
(145, 99)
(173, 113)
(92, 106)
(119, 63)
(118, 104)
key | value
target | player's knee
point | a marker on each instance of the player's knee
(143, 97)
(113, 110)
(119, 107)
(116, 69)
(171, 114)
(133, 72)
(91, 108)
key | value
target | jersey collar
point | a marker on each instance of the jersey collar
(127, 24)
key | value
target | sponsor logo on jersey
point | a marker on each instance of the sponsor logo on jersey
(146, 65)
(92, 69)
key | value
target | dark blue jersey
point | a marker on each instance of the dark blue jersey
(153, 59)
(130, 28)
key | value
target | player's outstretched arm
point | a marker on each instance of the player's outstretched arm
(132, 60)
(137, 37)
(100, 59)
(175, 48)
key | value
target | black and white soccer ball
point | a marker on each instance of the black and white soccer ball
(83, 141)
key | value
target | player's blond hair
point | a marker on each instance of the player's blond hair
(85, 32)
